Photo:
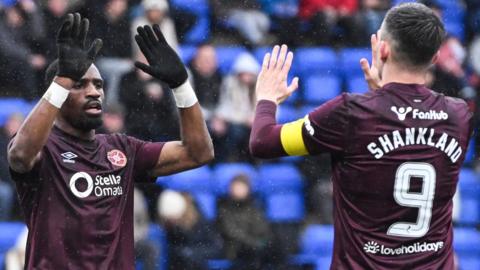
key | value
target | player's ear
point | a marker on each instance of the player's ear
(384, 50)
(435, 58)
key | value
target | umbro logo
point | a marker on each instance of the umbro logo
(68, 157)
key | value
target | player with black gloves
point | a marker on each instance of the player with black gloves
(75, 186)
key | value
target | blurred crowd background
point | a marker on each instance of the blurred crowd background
(237, 213)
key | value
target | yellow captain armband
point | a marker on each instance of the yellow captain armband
(292, 139)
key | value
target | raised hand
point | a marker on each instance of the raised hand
(372, 76)
(272, 81)
(164, 63)
(74, 58)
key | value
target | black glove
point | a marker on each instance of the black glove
(73, 57)
(165, 64)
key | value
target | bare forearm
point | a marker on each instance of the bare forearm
(34, 132)
(194, 133)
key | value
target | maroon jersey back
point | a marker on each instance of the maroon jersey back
(396, 153)
(78, 201)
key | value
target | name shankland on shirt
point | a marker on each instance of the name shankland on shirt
(415, 136)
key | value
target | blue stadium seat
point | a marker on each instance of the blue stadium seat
(194, 6)
(468, 262)
(200, 32)
(287, 113)
(470, 210)
(225, 172)
(469, 183)
(321, 88)
(260, 52)
(470, 155)
(280, 178)
(285, 207)
(196, 180)
(456, 29)
(317, 240)
(463, 239)
(13, 105)
(9, 234)
(350, 60)
(207, 204)
(219, 264)
(357, 84)
(187, 52)
(316, 59)
(323, 263)
(226, 56)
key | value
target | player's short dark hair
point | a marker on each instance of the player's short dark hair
(416, 34)
(51, 72)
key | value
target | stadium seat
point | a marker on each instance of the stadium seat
(196, 180)
(321, 88)
(357, 84)
(207, 204)
(9, 106)
(201, 30)
(316, 59)
(323, 263)
(470, 210)
(187, 52)
(225, 172)
(280, 178)
(350, 60)
(463, 239)
(219, 264)
(226, 56)
(287, 113)
(469, 183)
(470, 155)
(469, 262)
(317, 240)
(285, 207)
(9, 234)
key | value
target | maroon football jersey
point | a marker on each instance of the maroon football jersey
(396, 154)
(78, 201)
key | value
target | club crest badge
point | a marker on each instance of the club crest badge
(117, 158)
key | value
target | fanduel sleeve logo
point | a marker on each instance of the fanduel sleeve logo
(103, 186)
(402, 113)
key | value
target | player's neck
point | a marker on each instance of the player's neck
(69, 129)
(395, 74)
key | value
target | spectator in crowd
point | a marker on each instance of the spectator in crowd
(53, 12)
(183, 19)
(284, 14)
(15, 256)
(332, 21)
(246, 233)
(206, 78)
(371, 15)
(146, 250)
(150, 114)
(113, 119)
(21, 33)
(9, 208)
(319, 189)
(472, 18)
(448, 73)
(191, 240)
(113, 25)
(156, 12)
(233, 118)
(245, 16)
